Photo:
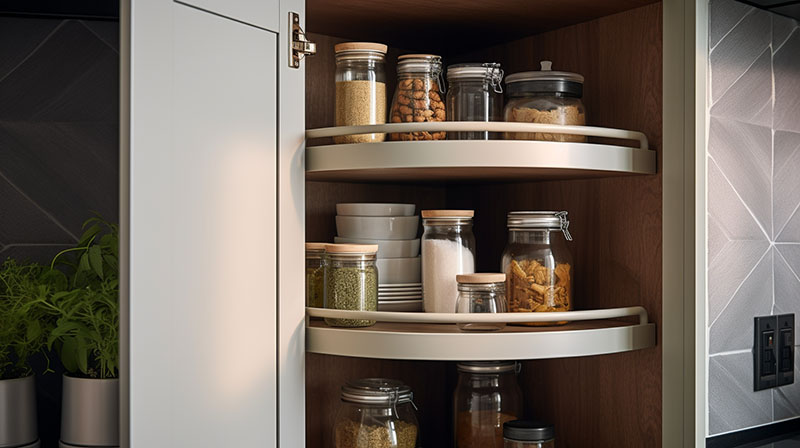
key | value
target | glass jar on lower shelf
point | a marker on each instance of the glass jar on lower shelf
(315, 279)
(351, 281)
(480, 294)
(528, 434)
(376, 413)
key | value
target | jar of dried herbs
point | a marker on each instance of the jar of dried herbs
(376, 413)
(315, 281)
(351, 281)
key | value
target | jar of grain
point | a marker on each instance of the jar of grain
(487, 395)
(419, 96)
(546, 97)
(474, 93)
(538, 264)
(448, 249)
(351, 281)
(360, 88)
(376, 413)
(315, 284)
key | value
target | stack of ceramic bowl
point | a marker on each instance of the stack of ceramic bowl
(393, 227)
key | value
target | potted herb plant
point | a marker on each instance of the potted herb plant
(85, 307)
(23, 332)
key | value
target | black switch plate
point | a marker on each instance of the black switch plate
(785, 352)
(765, 352)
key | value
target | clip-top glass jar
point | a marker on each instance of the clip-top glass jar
(487, 395)
(537, 263)
(481, 293)
(529, 434)
(376, 413)
(360, 88)
(315, 280)
(448, 249)
(419, 96)
(474, 93)
(351, 281)
(546, 97)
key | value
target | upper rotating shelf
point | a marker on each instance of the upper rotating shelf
(439, 160)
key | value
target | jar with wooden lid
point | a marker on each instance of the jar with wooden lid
(546, 97)
(419, 96)
(351, 281)
(315, 279)
(481, 293)
(474, 93)
(538, 263)
(360, 88)
(448, 249)
(528, 434)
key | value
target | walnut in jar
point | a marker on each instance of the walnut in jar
(418, 97)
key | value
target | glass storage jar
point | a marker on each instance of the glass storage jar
(448, 249)
(546, 97)
(487, 395)
(474, 93)
(481, 293)
(528, 434)
(376, 413)
(537, 263)
(419, 96)
(360, 88)
(351, 281)
(315, 280)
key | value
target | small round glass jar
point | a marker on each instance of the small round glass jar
(537, 263)
(448, 249)
(376, 413)
(315, 278)
(360, 88)
(351, 281)
(528, 434)
(481, 293)
(546, 97)
(474, 93)
(419, 96)
(487, 395)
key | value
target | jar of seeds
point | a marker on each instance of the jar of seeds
(315, 284)
(351, 281)
(419, 96)
(360, 88)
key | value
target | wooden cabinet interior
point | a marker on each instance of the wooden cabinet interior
(611, 400)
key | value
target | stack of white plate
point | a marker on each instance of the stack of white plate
(400, 297)
(393, 227)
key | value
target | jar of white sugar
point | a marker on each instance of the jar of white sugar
(448, 249)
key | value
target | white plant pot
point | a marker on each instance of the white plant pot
(18, 413)
(90, 412)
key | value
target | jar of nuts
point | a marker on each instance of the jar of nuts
(537, 263)
(419, 96)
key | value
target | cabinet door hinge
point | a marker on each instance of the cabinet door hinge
(299, 46)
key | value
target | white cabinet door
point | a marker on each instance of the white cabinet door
(199, 351)
(260, 13)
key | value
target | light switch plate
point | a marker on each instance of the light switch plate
(765, 365)
(785, 350)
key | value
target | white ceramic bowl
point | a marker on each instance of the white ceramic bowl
(370, 209)
(401, 305)
(387, 248)
(378, 227)
(398, 270)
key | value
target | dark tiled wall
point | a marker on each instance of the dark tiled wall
(59, 128)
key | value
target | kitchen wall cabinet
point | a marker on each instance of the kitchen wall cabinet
(258, 13)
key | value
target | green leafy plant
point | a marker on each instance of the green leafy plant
(24, 324)
(85, 302)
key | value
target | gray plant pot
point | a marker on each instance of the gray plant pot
(90, 412)
(18, 413)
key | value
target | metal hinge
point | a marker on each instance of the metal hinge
(299, 46)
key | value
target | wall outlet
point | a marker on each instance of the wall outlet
(765, 361)
(785, 352)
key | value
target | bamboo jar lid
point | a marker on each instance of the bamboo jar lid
(448, 213)
(316, 246)
(351, 248)
(360, 46)
(484, 277)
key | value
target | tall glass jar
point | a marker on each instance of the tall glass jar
(481, 293)
(448, 249)
(351, 281)
(537, 263)
(360, 88)
(546, 97)
(376, 413)
(474, 93)
(529, 434)
(315, 280)
(419, 96)
(487, 395)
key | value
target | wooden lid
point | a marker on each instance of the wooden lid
(360, 46)
(316, 246)
(448, 213)
(351, 248)
(485, 277)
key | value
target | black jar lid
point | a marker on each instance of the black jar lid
(528, 431)
(545, 81)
